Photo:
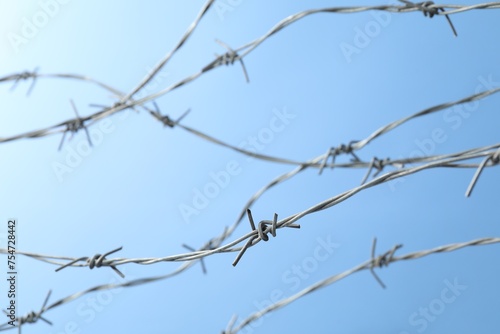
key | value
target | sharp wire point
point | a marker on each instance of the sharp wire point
(478, 172)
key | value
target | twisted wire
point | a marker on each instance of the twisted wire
(382, 260)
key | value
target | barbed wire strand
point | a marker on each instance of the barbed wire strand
(126, 104)
(249, 47)
(74, 124)
(35, 75)
(176, 48)
(33, 317)
(380, 261)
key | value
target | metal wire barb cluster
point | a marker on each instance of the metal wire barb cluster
(489, 155)
(30, 318)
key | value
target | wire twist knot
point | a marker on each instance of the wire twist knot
(377, 164)
(96, 261)
(428, 8)
(335, 151)
(32, 316)
(25, 76)
(227, 58)
(263, 229)
(165, 119)
(209, 245)
(74, 126)
(381, 260)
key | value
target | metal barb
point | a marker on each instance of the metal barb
(494, 158)
(428, 10)
(368, 172)
(203, 268)
(182, 116)
(74, 126)
(165, 119)
(243, 250)
(330, 153)
(263, 228)
(32, 316)
(230, 57)
(381, 260)
(350, 150)
(378, 165)
(106, 108)
(25, 76)
(341, 149)
(156, 107)
(95, 261)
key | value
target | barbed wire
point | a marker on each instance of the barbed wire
(319, 162)
(408, 7)
(126, 102)
(74, 125)
(176, 48)
(30, 318)
(33, 317)
(490, 156)
(374, 262)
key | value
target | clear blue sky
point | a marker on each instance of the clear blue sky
(335, 84)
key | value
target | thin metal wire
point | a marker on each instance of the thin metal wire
(176, 48)
(97, 261)
(385, 259)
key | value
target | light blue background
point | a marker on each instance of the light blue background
(128, 191)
